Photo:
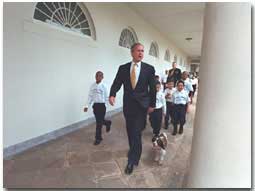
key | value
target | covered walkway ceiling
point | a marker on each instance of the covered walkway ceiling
(177, 21)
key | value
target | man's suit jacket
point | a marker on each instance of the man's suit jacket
(144, 93)
(176, 76)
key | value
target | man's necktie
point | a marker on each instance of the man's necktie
(133, 76)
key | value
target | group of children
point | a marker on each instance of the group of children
(171, 102)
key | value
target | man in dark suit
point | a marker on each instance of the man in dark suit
(174, 74)
(138, 100)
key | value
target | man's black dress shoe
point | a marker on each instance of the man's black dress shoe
(129, 168)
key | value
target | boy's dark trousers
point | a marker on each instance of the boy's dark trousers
(156, 120)
(179, 116)
(194, 88)
(99, 110)
(191, 94)
(169, 113)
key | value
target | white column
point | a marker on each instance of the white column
(253, 88)
(221, 149)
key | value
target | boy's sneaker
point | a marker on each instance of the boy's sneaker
(108, 127)
(97, 142)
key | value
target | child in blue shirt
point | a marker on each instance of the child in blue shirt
(180, 100)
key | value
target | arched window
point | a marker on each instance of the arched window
(175, 58)
(167, 55)
(68, 15)
(127, 38)
(154, 50)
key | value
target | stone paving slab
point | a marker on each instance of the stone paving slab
(113, 182)
(72, 161)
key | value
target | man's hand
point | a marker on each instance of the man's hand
(85, 109)
(112, 100)
(150, 110)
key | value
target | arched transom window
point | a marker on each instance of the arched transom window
(175, 58)
(167, 55)
(154, 50)
(127, 38)
(71, 16)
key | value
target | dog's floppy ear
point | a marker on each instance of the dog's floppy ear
(154, 139)
(163, 138)
(160, 143)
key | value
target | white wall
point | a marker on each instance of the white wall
(47, 72)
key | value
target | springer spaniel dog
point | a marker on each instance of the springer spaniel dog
(159, 144)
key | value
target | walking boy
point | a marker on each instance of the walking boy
(180, 100)
(98, 96)
(156, 116)
(169, 102)
(187, 85)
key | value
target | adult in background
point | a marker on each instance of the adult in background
(174, 74)
(139, 99)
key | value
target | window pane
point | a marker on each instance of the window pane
(66, 14)
(40, 16)
(127, 38)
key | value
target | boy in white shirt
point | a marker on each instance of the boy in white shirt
(169, 102)
(98, 96)
(181, 101)
(156, 116)
(194, 84)
(187, 84)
